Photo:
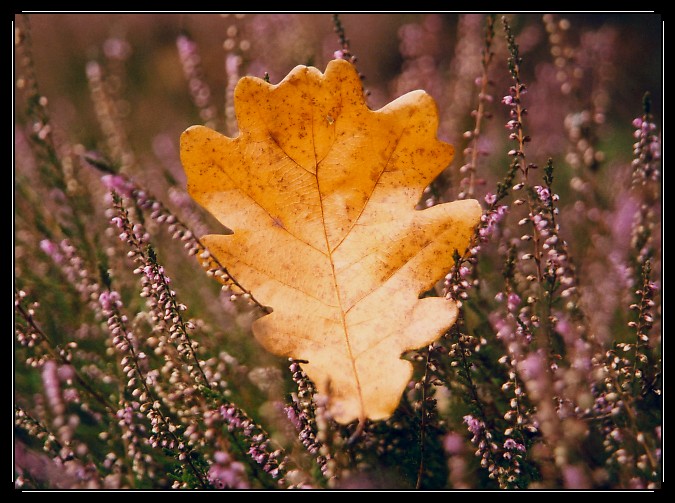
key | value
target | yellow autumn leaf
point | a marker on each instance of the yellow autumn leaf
(320, 192)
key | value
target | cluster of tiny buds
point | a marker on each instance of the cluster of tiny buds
(644, 310)
(516, 112)
(126, 188)
(328, 435)
(130, 421)
(461, 277)
(133, 234)
(40, 129)
(458, 281)
(166, 312)
(642, 326)
(647, 151)
(617, 437)
(615, 445)
(66, 461)
(272, 461)
(225, 473)
(517, 415)
(164, 431)
(646, 164)
(545, 234)
(50, 443)
(178, 230)
(26, 336)
(615, 383)
(513, 329)
(108, 307)
(31, 336)
(302, 412)
(160, 298)
(345, 52)
(303, 424)
(482, 439)
(125, 343)
(164, 434)
(491, 217)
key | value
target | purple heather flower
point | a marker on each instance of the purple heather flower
(51, 249)
(118, 184)
(227, 474)
(513, 301)
(513, 445)
(543, 193)
(475, 425)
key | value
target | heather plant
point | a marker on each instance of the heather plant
(135, 366)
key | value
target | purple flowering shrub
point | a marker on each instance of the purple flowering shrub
(135, 369)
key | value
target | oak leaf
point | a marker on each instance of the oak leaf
(320, 192)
